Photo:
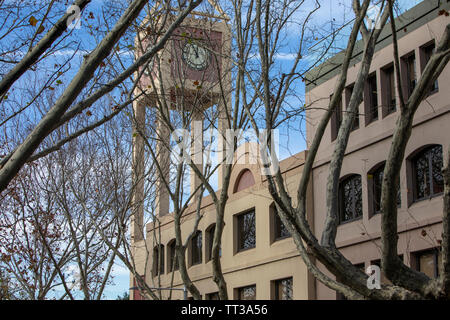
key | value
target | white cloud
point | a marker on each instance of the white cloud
(119, 270)
(285, 56)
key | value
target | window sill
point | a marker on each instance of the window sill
(244, 250)
(170, 272)
(195, 264)
(376, 213)
(389, 113)
(371, 121)
(350, 221)
(427, 198)
(432, 92)
(281, 238)
(210, 260)
(162, 274)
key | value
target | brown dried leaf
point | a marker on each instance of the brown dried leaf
(33, 21)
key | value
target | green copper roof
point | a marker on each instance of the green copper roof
(409, 21)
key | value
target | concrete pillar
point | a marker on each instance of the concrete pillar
(138, 164)
(196, 149)
(163, 159)
(223, 144)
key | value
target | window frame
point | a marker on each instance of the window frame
(406, 73)
(424, 151)
(192, 261)
(276, 225)
(240, 289)
(341, 197)
(371, 188)
(336, 119)
(209, 241)
(276, 289)
(238, 218)
(436, 251)
(369, 104)
(244, 180)
(172, 256)
(388, 90)
(158, 257)
(348, 94)
(208, 296)
(424, 57)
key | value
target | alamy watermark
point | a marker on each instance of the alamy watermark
(374, 279)
(233, 147)
(373, 17)
(74, 20)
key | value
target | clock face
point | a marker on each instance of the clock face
(195, 57)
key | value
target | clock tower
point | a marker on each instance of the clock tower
(189, 75)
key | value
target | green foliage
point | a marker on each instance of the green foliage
(125, 296)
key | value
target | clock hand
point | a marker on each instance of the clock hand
(196, 51)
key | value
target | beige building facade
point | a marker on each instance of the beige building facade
(267, 265)
(420, 204)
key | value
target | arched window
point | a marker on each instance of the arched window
(427, 177)
(244, 181)
(158, 260)
(209, 241)
(375, 181)
(172, 261)
(350, 198)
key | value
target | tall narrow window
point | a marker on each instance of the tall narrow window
(336, 119)
(375, 184)
(246, 230)
(348, 95)
(210, 241)
(283, 289)
(247, 293)
(196, 248)
(425, 55)
(410, 75)
(371, 99)
(427, 173)
(172, 258)
(389, 100)
(212, 296)
(158, 260)
(279, 231)
(350, 198)
(429, 262)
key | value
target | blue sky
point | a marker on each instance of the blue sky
(292, 139)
